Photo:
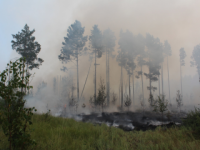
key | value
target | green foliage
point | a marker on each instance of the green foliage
(25, 45)
(160, 105)
(73, 104)
(193, 120)
(73, 43)
(101, 97)
(179, 100)
(14, 118)
(151, 101)
(127, 102)
(46, 116)
(114, 98)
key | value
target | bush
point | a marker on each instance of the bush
(14, 118)
(193, 120)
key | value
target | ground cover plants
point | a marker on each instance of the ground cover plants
(61, 133)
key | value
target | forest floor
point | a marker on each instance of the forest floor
(56, 133)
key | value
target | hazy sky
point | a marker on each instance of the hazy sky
(177, 21)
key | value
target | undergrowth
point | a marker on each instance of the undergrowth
(68, 134)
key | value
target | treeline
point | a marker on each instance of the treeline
(136, 51)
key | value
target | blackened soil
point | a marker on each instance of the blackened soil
(129, 121)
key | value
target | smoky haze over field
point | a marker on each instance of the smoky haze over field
(175, 21)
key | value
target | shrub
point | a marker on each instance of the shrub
(14, 118)
(193, 120)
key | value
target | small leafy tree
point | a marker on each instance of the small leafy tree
(160, 105)
(114, 98)
(179, 100)
(127, 102)
(193, 120)
(152, 101)
(73, 104)
(14, 118)
(142, 103)
(101, 97)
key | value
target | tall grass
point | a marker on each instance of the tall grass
(55, 133)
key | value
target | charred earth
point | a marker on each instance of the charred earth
(129, 121)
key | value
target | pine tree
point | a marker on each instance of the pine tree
(155, 57)
(182, 63)
(167, 52)
(25, 45)
(109, 43)
(196, 59)
(73, 47)
(96, 42)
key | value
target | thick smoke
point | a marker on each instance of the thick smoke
(177, 26)
(196, 58)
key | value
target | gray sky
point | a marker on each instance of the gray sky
(176, 21)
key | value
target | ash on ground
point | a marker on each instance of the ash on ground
(129, 121)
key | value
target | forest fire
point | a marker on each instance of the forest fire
(128, 120)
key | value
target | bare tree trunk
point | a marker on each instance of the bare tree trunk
(107, 75)
(57, 86)
(133, 86)
(181, 78)
(121, 88)
(129, 86)
(108, 79)
(159, 83)
(142, 85)
(119, 93)
(150, 82)
(162, 80)
(95, 79)
(77, 79)
(168, 81)
(86, 79)
(72, 87)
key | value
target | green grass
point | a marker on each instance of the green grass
(55, 133)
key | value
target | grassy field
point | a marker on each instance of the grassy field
(53, 133)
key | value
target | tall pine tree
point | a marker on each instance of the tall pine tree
(96, 41)
(24, 43)
(73, 47)
(109, 44)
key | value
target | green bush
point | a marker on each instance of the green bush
(14, 118)
(193, 120)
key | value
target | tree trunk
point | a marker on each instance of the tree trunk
(133, 86)
(142, 85)
(129, 86)
(95, 79)
(86, 79)
(162, 79)
(108, 80)
(168, 81)
(159, 83)
(150, 82)
(119, 93)
(77, 79)
(181, 78)
(121, 88)
(72, 87)
(28, 74)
